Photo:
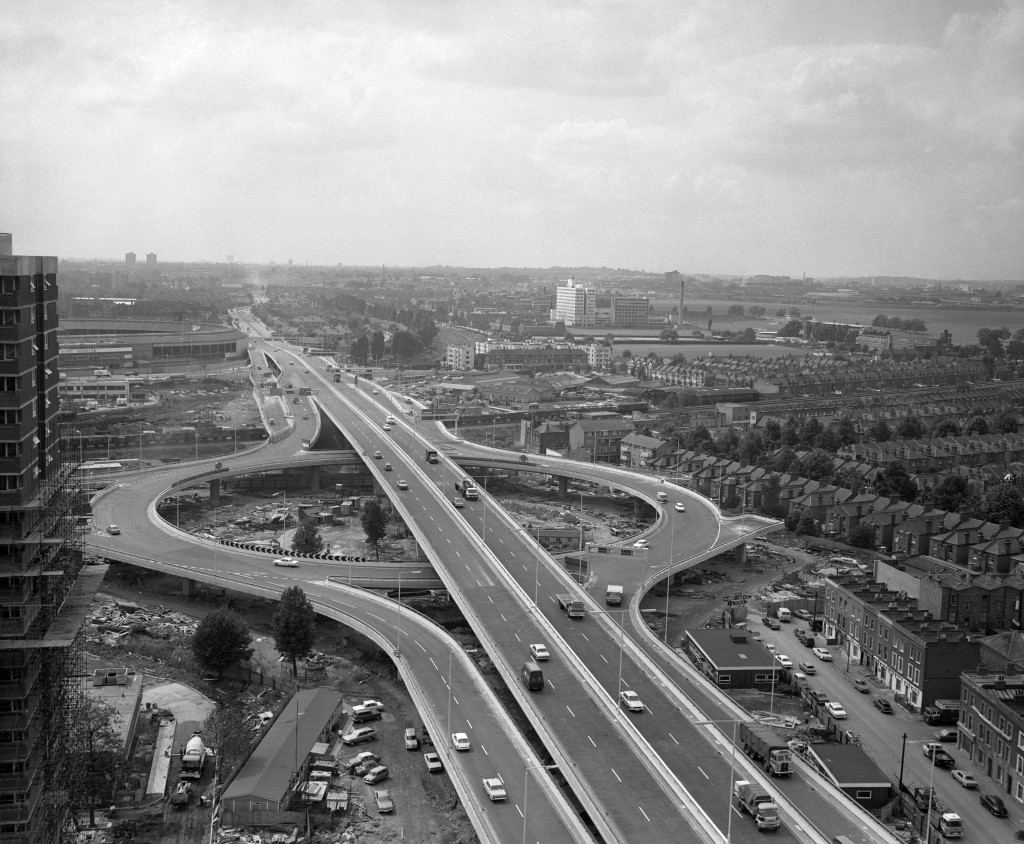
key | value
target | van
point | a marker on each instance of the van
(662, 496)
(376, 774)
(784, 614)
(533, 677)
(799, 680)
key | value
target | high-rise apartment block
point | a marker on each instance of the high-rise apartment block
(575, 305)
(151, 259)
(44, 591)
(129, 259)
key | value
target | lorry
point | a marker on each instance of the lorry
(942, 712)
(432, 455)
(947, 824)
(925, 797)
(193, 758)
(573, 606)
(469, 491)
(751, 799)
(613, 595)
(768, 747)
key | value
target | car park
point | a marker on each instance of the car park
(679, 507)
(835, 709)
(784, 660)
(402, 484)
(539, 652)
(495, 788)
(631, 700)
(993, 804)
(882, 705)
(861, 685)
(460, 741)
(358, 735)
(965, 778)
(286, 563)
(433, 762)
(946, 735)
(823, 654)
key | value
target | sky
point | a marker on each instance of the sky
(831, 138)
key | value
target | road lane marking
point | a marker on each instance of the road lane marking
(699, 768)
(585, 636)
(484, 749)
(501, 615)
(513, 632)
(456, 700)
(553, 686)
(603, 657)
(569, 710)
(642, 812)
(433, 663)
(469, 724)
(673, 738)
(592, 741)
(616, 775)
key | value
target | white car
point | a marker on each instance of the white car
(640, 543)
(784, 660)
(460, 741)
(679, 507)
(835, 709)
(539, 652)
(495, 788)
(376, 705)
(402, 484)
(823, 654)
(387, 427)
(965, 778)
(287, 563)
(632, 702)
(434, 763)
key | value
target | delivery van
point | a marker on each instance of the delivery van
(533, 677)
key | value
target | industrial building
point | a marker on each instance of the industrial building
(45, 592)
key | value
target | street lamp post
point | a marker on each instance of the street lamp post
(398, 640)
(732, 769)
(668, 571)
(526, 782)
(931, 793)
(140, 446)
(622, 632)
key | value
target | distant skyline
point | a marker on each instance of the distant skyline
(719, 137)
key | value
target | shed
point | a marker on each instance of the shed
(850, 769)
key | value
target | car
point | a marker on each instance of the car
(460, 741)
(113, 530)
(365, 760)
(994, 804)
(808, 667)
(385, 805)
(358, 735)
(941, 758)
(631, 700)
(371, 703)
(772, 623)
(412, 741)
(861, 685)
(495, 788)
(823, 654)
(539, 652)
(434, 763)
(376, 392)
(387, 427)
(882, 705)
(965, 778)
(679, 507)
(802, 614)
(640, 543)
(286, 563)
(818, 696)
(402, 484)
(770, 646)
(458, 503)
(377, 455)
(784, 660)
(387, 467)
(946, 735)
(836, 710)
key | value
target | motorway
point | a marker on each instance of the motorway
(628, 771)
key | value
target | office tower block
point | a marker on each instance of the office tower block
(129, 259)
(575, 305)
(44, 591)
(151, 259)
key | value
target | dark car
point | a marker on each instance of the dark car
(883, 705)
(996, 806)
(947, 734)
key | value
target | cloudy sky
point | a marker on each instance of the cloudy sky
(827, 137)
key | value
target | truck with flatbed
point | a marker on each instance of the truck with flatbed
(749, 798)
(947, 824)
(768, 747)
(942, 712)
(572, 606)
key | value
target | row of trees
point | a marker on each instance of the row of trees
(999, 343)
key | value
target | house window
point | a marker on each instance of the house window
(724, 679)
(863, 794)
(1018, 792)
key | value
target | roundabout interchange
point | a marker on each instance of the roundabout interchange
(663, 774)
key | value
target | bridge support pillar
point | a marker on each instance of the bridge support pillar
(188, 588)
(314, 479)
(563, 485)
(215, 492)
(740, 552)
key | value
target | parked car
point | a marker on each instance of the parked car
(631, 700)
(994, 804)
(784, 660)
(385, 805)
(965, 778)
(946, 735)
(458, 503)
(823, 654)
(377, 455)
(772, 623)
(358, 735)
(835, 709)
(113, 530)
(883, 705)
(434, 763)
(808, 667)
(861, 685)
(640, 544)
(804, 614)
(460, 741)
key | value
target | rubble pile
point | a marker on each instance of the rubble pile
(113, 620)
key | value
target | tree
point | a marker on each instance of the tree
(828, 440)
(793, 328)
(750, 448)
(1006, 422)
(976, 425)
(861, 536)
(699, 437)
(359, 349)
(772, 433)
(96, 751)
(1003, 503)
(374, 522)
(784, 460)
(790, 432)
(405, 344)
(807, 524)
(377, 344)
(221, 640)
(294, 626)
(880, 321)
(226, 730)
(817, 465)
(946, 428)
(756, 311)
(845, 430)
(951, 493)
(669, 335)
(910, 428)
(307, 537)
(736, 310)
(880, 431)
(894, 482)
(991, 340)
